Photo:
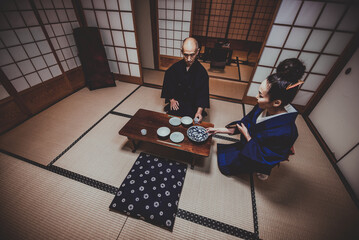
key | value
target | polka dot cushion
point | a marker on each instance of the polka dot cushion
(151, 190)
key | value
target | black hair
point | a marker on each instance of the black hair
(289, 71)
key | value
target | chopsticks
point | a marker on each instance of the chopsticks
(177, 145)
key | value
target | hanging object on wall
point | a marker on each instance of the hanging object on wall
(93, 58)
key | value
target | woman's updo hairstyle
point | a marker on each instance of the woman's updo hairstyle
(289, 72)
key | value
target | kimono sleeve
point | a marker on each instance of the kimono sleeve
(168, 89)
(202, 99)
(246, 120)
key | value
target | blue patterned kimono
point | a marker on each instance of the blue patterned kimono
(271, 142)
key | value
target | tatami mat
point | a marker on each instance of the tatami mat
(306, 197)
(146, 98)
(230, 72)
(227, 88)
(46, 135)
(183, 229)
(102, 154)
(38, 204)
(153, 76)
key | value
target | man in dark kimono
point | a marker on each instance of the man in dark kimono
(186, 84)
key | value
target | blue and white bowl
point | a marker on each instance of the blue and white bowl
(197, 134)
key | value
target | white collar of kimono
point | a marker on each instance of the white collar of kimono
(262, 117)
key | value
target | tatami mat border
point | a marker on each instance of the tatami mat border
(88, 130)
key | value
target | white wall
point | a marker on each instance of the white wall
(144, 32)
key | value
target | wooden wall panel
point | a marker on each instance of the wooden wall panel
(10, 114)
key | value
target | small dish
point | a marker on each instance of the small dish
(197, 134)
(175, 121)
(176, 137)
(163, 132)
(186, 120)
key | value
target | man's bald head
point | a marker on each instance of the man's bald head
(190, 50)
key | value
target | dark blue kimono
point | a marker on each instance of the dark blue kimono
(271, 142)
(190, 88)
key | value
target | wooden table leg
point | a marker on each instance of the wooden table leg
(134, 144)
(193, 162)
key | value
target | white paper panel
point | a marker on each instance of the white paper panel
(297, 38)
(99, 4)
(67, 53)
(20, 84)
(38, 62)
(132, 55)
(312, 82)
(15, 19)
(30, 18)
(45, 74)
(55, 43)
(67, 28)
(162, 33)
(324, 64)
(170, 43)
(185, 35)
(86, 3)
(177, 35)
(135, 70)
(43, 17)
(24, 35)
(253, 90)
(169, 34)
(37, 33)
(178, 15)
(350, 21)
(187, 5)
(90, 18)
(317, 40)
(57, 28)
(277, 36)
(26, 67)
(74, 51)
(261, 74)
(162, 24)
(178, 25)
(18, 53)
(331, 15)
(161, 14)
(127, 22)
(161, 3)
(308, 59)
(50, 59)
(77, 61)
(107, 39)
(309, 13)
(162, 42)
(49, 31)
(59, 4)
(115, 20)
(3, 93)
(111, 4)
(302, 98)
(47, 4)
(9, 38)
(124, 70)
(176, 53)
(62, 15)
(349, 167)
(177, 44)
(338, 42)
(179, 4)
(60, 55)
(125, 5)
(121, 54)
(170, 25)
(287, 11)
(63, 42)
(110, 53)
(162, 50)
(102, 19)
(170, 4)
(287, 54)
(187, 16)
(33, 79)
(5, 57)
(51, 16)
(186, 26)
(113, 66)
(55, 70)
(170, 14)
(169, 51)
(75, 24)
(11, 71)
(269, 56)
(130, 39)
(71, 40)
(72, 15)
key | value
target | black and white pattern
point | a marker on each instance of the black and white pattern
(197, 134)
(151, 190)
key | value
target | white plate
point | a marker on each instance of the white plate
(163, 131)
(186, 120)
(176, 137)
(175, 121)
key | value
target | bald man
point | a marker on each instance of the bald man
(186, 84)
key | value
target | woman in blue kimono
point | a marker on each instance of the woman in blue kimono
(268, 132)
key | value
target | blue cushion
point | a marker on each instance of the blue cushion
(151, 190)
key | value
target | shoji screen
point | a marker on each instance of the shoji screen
(315, 32)
(174, 20)
(59, 18)
(115, 21)
(25, 55)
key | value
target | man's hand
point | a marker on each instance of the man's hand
(244, 131)
(174, 104)
(198, 114)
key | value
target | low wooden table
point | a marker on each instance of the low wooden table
(151, 121)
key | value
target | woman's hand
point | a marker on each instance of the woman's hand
(244, 131)
(174, 104)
